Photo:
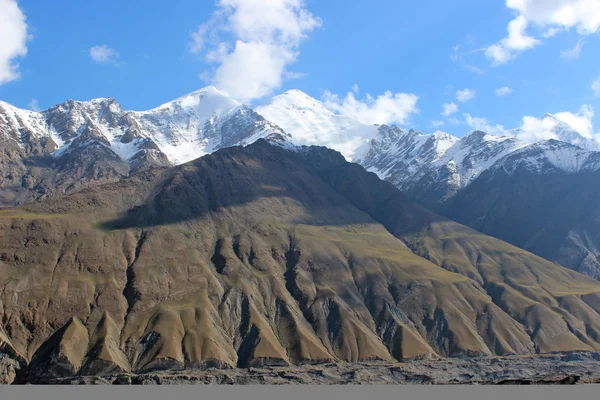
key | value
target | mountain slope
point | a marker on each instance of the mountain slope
(542, 198)
(262, 255)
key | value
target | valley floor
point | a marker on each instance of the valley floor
(572, 368)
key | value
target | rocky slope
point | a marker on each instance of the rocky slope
(265, 256)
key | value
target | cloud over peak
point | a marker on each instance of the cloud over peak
(253, 42)
(550, 126)
(384, 109)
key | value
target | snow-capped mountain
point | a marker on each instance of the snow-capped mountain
(420, 164)
(309, 122)
(432, 168)
(206, 120)
(519, 178)
(98, 141)
(182, 130)
(550, 155)
(200, 123)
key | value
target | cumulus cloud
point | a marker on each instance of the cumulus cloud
(103, 54)
(574, 53)
(537, 129)
(596, 87)
(253, 42)
(384, 109)
(552, 16)
(503, 91)
(516, 41)
(449, 109)
(583, 15)
(465, 95)
(13, 40)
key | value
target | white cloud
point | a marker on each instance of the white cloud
(34, 105)
(537, 129)
(103, 54)
(581, 121)
(355, 88)
(465, 95)
(574, 53)
(261, 41)
(553, 16)
(252, 70)
(437, 124)
(385, 109)
(596, 87)
(482, 124)
(516, 41)
(13, 39)
(498, 53)
(449, 109)
(583, 15)
(503, 91)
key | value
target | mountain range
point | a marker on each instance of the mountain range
(205, 233)
(549, 212)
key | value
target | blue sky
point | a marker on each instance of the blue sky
(422, 53)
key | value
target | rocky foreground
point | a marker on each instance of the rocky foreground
(573, 368)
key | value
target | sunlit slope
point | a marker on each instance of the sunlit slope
(255, 256)
(558, 307)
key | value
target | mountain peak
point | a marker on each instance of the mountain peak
(309, 122)
(295, 98)
(297, 93)
(209, 94)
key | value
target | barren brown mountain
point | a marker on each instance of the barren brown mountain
(262, 255)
